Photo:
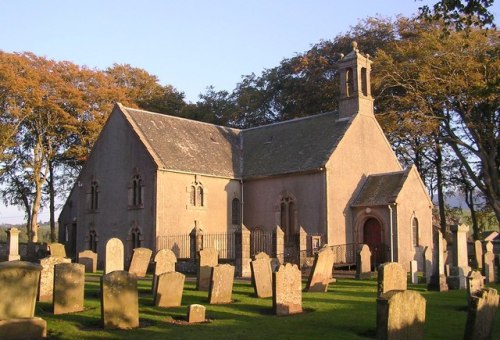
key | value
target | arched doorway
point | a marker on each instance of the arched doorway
(372, 236)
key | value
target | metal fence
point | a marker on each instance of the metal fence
(179, 244)
(261, 241)
(223, 242)
(345, 254)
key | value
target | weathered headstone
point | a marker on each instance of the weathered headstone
(287, 290)
(428, 264)
(478, 251)
(262, 276)
(165, 261)
(321, 272)
(221, 284)
(363, 264)
(169, 289)
(140, 261)
(46, 290)
(13, 243)
(414, 271)
(475, 282)
(119, 300)
(489, 263)
(18, 289)
(114, 256)
(207, 259)
(391, 276)
(89, 259)
(69, 283)
(196, 313)
(460, 268)
(400, 315)
(438, 279)
(57, 249)
(481, 314)
(242, 251)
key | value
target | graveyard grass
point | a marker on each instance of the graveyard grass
(346, 311)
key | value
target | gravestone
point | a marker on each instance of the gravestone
(195, 313)
(57, 249)
(114, 256)
(46, 290)
(460, 268)
(400, 315)
(428, 264)
(478, 251)
(89, 259)
(489, 263)
(438, 279)
(391, 276)
(207, 259)
(69, 283)
(363, 264)
(221, 284)
(119, 300)
(262, 275)
(481, 314)
(13, 243)
(287, 290)
(140, 261)
(475, 282)
(165, 261)
(169, 289)
(321, 272)
(18, 289)
(414, 271)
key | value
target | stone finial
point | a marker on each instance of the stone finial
(355, 46)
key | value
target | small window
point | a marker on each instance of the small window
(93, 241)
(236, 211)
(349, 82)
(192, 195)
(94, 196)
(137, 198)
(196, 195)
(364, 82)
(135, 238)
(414, 227)
(199, 196)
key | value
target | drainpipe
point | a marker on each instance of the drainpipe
(391, 232)
(242, 205)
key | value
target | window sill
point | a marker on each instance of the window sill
(136, 207)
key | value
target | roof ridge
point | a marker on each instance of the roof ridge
(289, 121)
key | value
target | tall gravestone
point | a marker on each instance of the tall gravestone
(262, 275)
(363, 263)
(414, 272)
(18, 289)
(13, 243)
(489, 263)
(428, 264)
(114, 256)
(438, 279)
(69, 284)
(287, 290)
(57, 249)
(321, 272)
(169, 289)
(119, 300)
(460, 268)
(140, 261)
(391, 276)
(478, 251)
(279, 245)
(89, 259)
(475, 282)
(242, 251)
(165, 261)
(481, 314)
(400, 315)
(207, 259)
(46, 290)
(221, 284)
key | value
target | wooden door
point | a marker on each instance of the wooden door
(372, 236)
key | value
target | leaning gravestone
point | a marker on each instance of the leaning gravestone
(57, 249)
(165, 261)
(46, 290)
(119, 300)
(69, 283)
(18, 289)
(169, 289)
(321, 272)
(221, 284)
(207, 259)
(400, 315)
(481, 314)
(140, 261)
(114, 256)
(475, 282)
(262, 275)
(89, 259)
(391, 276)
(363, 263)
(478, 251)
(196, 313)
(287, 290)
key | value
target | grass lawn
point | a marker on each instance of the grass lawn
(346, 311)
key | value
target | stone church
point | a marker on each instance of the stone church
(333, 175)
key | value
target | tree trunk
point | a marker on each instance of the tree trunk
(53, 237)
(439, 178)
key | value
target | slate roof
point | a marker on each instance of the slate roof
(292, 146)
(381, 189)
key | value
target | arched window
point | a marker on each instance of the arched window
(287, 217)
(93, 240)
(349, 82)
(192, 195)
(199, 196)
(137, 191)
(196, 194)
(236, 211)
(364, 82)
(135, 237)
(94, 195)
(414, 229)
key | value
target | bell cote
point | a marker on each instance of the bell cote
(355, 91)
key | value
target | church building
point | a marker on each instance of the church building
(333, 174)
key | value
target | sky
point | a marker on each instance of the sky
(190, 44)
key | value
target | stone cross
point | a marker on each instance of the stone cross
(478, 251)
(114, 255)
(13, 242)
(287, 290)
(89, 259)
(460, 268)
(475, 282)
(221, 284)
(481, 314)
(363, 263)
(46, 290)
(169, 289)
(207, 259)
(391, 276)
(321, 272)
(119, 300)
(69, 283)
(262, 275)
(489, 263)
(140, 261)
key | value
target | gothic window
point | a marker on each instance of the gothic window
(364, 82)
(349, 82)
(192, 195)
(287, 217)
(135, 237)
(199, 196)
(94, 195)
(236, 211)
(93, 240)
(136, 192)
(196, 195)
(414, 228)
